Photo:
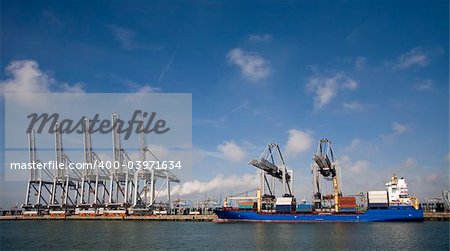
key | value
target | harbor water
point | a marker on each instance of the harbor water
(144, 235)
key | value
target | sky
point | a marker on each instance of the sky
(372, 76)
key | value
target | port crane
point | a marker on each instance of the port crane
(325, 165)
(446, 196)
(275, 167)
(272, 165)
(94, 189)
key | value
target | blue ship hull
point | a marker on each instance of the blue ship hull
(372, 215)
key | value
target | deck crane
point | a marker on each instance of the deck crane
(325, 164)
(271, 163)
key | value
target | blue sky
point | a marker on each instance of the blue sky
(370, 75)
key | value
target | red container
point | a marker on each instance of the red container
(246, 203)
(347, 202)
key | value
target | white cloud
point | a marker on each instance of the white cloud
(246, 181)
(147, 89)
(326, 88)
(415, 57)
(354, 106)
(135, 88)
(358, 62)
(359, 166)
(159, 151)
(25, 77)
(354, 144)
(298, 142)
(397, 130)
(400, 128)
(259, 37)
(76, 88)
(348, 166)
(252, 66)
(232, 151)
(409, 163)
(424, 85)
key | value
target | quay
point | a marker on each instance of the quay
(438, 216)
(427, 216)
(206, 217)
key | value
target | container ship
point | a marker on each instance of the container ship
(394, 203)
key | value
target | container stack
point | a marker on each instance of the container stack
(347, 204)
(304, 208)
(246, 205)
(284, 204)
(378, 199)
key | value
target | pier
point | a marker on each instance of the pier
(429, 216)
(204, 217)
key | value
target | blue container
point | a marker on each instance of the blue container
(283, 208)
(347, 210)
(304, 208)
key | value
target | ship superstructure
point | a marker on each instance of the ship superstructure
(398, 191)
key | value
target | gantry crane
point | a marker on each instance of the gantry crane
(324, 164)
(271, 163)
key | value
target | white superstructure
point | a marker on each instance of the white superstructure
(398, 191)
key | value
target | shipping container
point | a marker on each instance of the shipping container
(347, 210)
(283, 208)
(377, 197)
(347, 202)
(381, 192)
(378, 205)
(304, 208)
(378, 201)
(245, 206)
(284, 201)
(347, 206)
(347, 199)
